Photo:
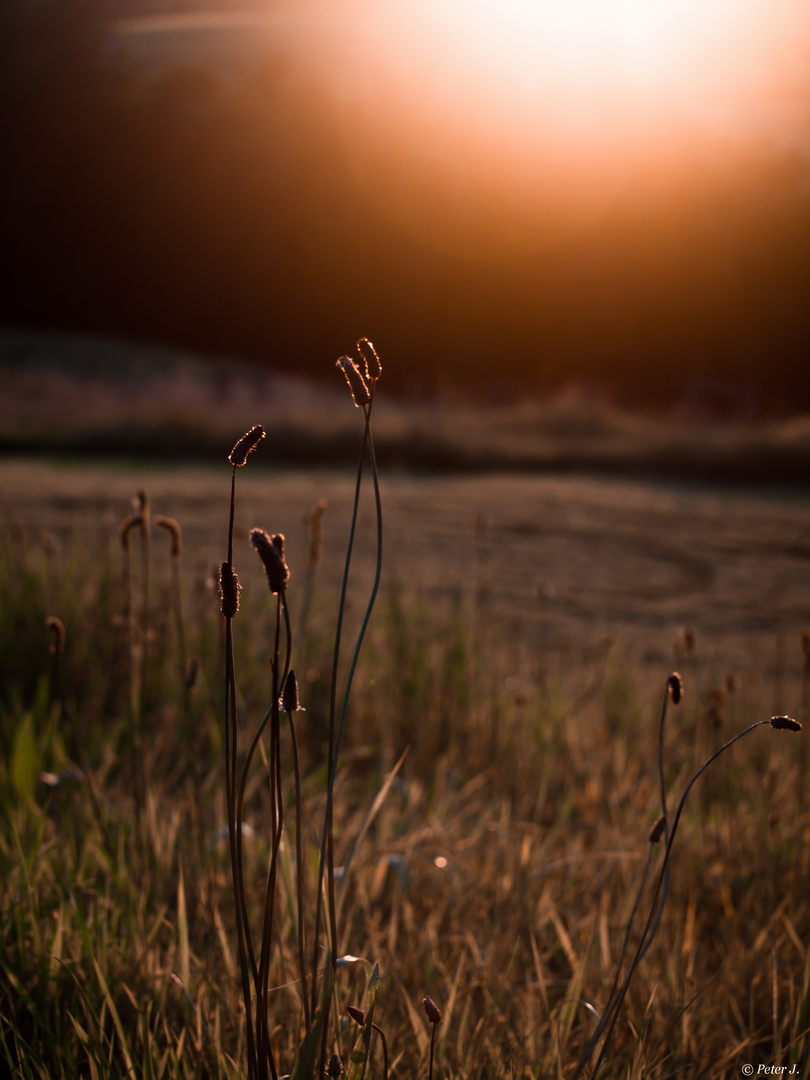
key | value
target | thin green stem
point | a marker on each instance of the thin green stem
(242, 927)
(277, 812)
(331, 760)
(335, 737)
(234, 833)
(299, 856)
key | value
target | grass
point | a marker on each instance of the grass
(493, 869)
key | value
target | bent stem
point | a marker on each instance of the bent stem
(384, 1043)
(659, 883)
(613, 998)
(654, 928)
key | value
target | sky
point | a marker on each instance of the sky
(592, 186)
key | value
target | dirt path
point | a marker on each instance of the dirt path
(556, 561)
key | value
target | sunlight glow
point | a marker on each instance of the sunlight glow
(573, 61)
(489, 127)
(485, 111)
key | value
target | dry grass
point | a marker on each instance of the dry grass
(498, 873)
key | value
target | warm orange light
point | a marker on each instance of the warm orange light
(486, 111)
(490, 126)
(579, 64)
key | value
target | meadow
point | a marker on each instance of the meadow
(497, 783)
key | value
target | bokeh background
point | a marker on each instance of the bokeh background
(508, 198)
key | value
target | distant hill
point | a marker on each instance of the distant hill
(89, 396)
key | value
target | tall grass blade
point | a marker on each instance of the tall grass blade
(116, 1019)
(310, 1050)
(358, 1058)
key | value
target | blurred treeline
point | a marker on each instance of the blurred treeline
(180, 206)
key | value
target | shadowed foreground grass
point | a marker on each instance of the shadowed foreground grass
(496, 876)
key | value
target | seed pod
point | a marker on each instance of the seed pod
(675, 684)
(657, 830)
(784, 723)
(289, 697)
(356, 1014)
(270, 550)
(246, 445)
(371, 360)
(134, 521)
(173, 529)
(356, 381)
(57, 632)
(432, 1010)
(228, 590)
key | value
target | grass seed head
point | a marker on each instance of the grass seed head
(246, 445)
(432, 1011)
(356, 1014)
(657, 830)
(270, 550)
(334, 1066)
(371, 360)
(785, 723)
(675, 684)
(175, 533)
(228, 590)
(134, 521)
(56, 629)
(356, 381)
(289, 698)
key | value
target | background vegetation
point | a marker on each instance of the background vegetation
(94, 396)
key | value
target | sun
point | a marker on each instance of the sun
(484, 112)
(582, 37)
(574, 58)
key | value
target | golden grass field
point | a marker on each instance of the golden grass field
(520, 648)
(555, 561)
(518, 656)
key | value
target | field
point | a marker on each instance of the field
(570, 806)
(500, 769)
(518, 656)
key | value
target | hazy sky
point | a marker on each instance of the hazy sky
(518, 99)
(567, 184)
